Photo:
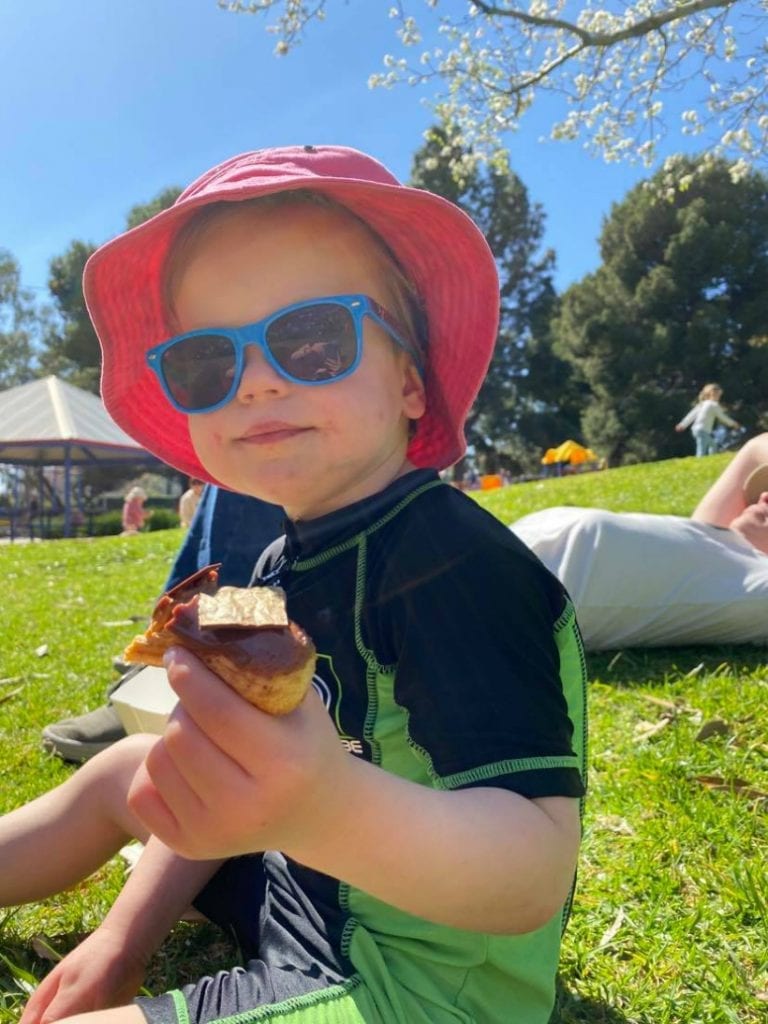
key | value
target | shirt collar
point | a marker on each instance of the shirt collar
(307, 537)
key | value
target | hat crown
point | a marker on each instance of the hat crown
(441, 251)
(283, 165)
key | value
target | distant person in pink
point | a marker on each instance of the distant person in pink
(134, 513)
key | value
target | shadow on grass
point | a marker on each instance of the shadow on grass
(190, 952)
(574, 1009)
(637, 665)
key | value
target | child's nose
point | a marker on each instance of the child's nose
(259, 376)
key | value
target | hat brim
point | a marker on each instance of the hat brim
(440, 249)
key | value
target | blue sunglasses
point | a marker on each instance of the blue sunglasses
(318, 341)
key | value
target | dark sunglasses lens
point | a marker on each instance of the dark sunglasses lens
(198, 371)
(314, 343)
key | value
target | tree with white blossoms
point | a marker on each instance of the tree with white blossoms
(622, 76)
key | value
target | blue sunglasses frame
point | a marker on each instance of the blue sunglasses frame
(359, 307)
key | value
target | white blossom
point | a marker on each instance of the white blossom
(610, 65)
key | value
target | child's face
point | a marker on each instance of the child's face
(311, 449)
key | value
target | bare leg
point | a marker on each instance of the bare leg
(64, 835)
(724, 501)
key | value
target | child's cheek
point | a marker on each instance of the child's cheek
(207, 443)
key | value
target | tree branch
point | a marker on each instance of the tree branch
(596, 39)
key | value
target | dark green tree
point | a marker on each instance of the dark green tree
(680, 300)
(524, 404)
(71, 346)
(143, 211)
(19, 325)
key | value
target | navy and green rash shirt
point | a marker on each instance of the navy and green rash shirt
(447, 655)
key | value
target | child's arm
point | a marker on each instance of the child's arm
(484, 859)
(722, 415)
(108, 967)
(688, 419)
(227, 779)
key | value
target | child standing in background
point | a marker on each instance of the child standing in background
(188, 502)
(702, 418)
(401, 848)
(134, 513)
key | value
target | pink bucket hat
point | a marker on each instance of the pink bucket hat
(440, 249)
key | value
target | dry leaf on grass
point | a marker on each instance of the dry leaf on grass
(613, 823)
(694, 671)
(42, 948)
(647, 730)
(131, 854)
(714, 727)
(610, 934)
(670, 705)
(739, 787)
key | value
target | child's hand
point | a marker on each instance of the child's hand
(97, 974)
(227, 779)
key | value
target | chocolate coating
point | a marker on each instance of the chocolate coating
(267, 651)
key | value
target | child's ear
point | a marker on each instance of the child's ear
(414, 393)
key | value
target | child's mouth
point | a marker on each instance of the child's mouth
(272, 433)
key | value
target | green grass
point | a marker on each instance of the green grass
(671, 919)
(672, 487)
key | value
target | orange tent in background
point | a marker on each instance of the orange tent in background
(548, 458)
(491, 481)
(569, 451)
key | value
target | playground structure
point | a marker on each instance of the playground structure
(50, 432)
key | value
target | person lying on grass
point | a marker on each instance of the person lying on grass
(643, 580)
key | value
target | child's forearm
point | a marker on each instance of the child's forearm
(158, 891)
(484, 859)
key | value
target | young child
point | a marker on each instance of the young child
(189, 501)
(703, 417)
(330, 329)
(134, 513)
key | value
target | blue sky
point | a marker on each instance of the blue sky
(106, 103)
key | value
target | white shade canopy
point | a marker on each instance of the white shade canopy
(49, 422)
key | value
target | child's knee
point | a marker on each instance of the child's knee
(118, 763)
(131, 750)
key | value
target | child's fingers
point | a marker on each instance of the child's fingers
(151, 808)
(205, 767)
(40, 1000)
(226, 718)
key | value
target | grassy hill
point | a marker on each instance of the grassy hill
(671, 915)
(672, 487)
